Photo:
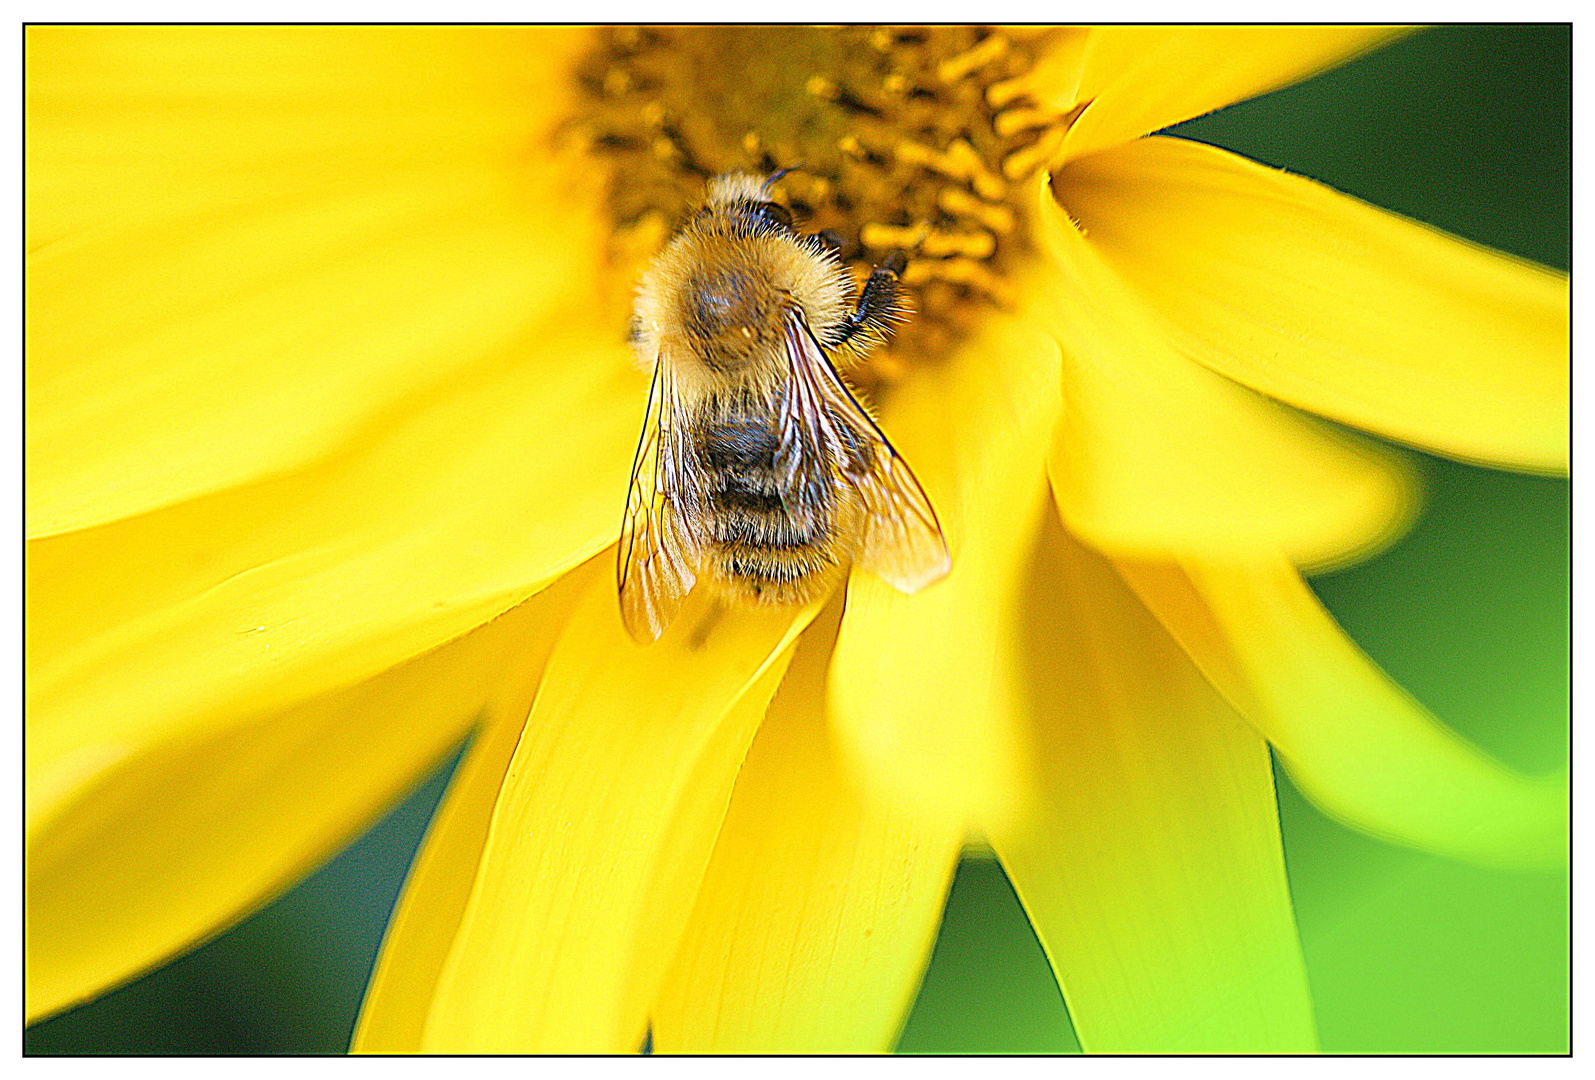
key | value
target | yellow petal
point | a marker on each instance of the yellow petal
(170, 625)
(820, 905)
(1319, 300)
(1155, 453)
(924, 693)
(246, 243)
(1355, 742)
(428, 913)
(604, 826)
(1139, 79)
(1151, 863)
(190, 835)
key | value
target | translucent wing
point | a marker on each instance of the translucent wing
(901, 541)
(657, 563)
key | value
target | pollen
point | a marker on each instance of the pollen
(912, 139)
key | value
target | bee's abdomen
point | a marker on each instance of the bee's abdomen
(770, 529)
(737, 443)
(754, 499)
(785, 575)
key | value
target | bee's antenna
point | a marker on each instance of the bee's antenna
(770, 183)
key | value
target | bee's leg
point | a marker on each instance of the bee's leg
(878, 304)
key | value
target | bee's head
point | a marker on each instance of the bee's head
(744, 200)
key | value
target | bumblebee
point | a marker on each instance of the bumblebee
(757, 470)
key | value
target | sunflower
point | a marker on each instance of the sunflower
(330, 415)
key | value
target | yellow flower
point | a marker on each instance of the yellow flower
(330, 419)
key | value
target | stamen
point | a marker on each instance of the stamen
(959, 162)
(958, 271)
(1016, 120)
(1003, 93)
(978, 57)
(907, 138)
(998, 218)
(617, 81)
(975, 245)
(876, 235)
(1023, 162)
(924, 240)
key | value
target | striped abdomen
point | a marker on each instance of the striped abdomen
(770, 520)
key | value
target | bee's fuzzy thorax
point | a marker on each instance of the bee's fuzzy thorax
(711, 303)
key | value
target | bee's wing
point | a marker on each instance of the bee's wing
(656, 565)
(901, 541)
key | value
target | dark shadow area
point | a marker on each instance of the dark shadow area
(1465, 127)
(286, 980)
(989, 988)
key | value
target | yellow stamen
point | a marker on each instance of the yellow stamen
(992, 48)
(1023, 162)
(1016, 120)
(959, 271)
(959, 162)
(821, 87)
(617, 81)
(994, 216)
(975, 245)
(876, 235)
(923, 240)
(1000, 94)
(905, 138)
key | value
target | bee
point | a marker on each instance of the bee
(757, 469)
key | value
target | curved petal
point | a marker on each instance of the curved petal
(603, 827)
(1332, 305)
(1355, 743)
(169, 625)
(924, 695)
(1138, 79)
(820, 905)
(244, 242)
(189, 836)
(1157, 454)
(427, 916)
(1150, 863)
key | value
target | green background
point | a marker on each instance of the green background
(1468, 128)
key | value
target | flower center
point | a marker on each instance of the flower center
(910, 138)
